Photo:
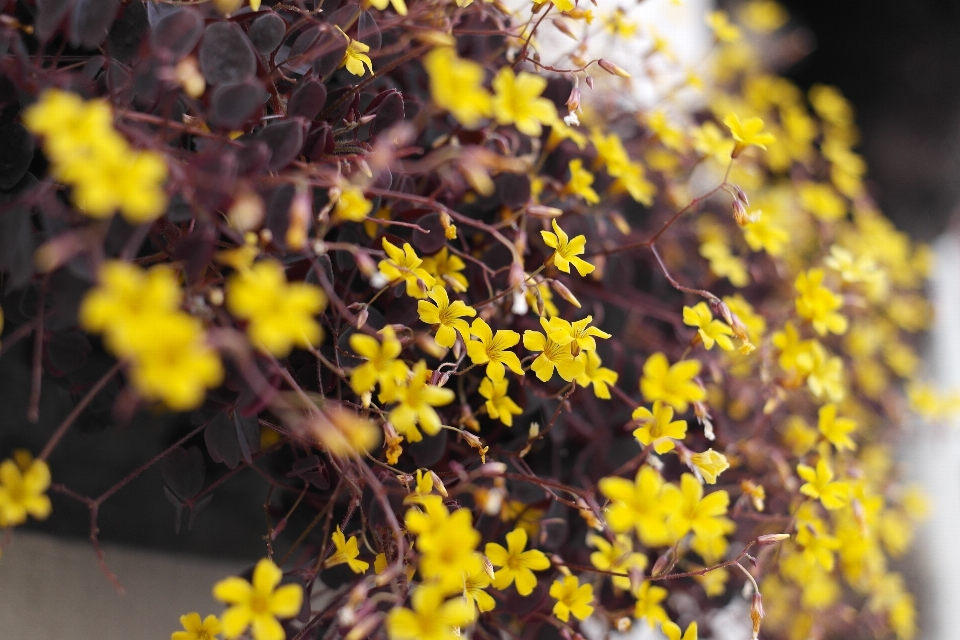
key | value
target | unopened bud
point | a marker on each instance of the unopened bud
(543, 211)
(246, 211)
(492, 469)
(589, 78)
(740, 213)
(624, 624)
(438, 484)
(613, 68)
(488, 567)
(772, 538)
(565, 293)
(564, 28)
(663, 563)
(365, 264)
(362, 317)
(188, 75)
(435, 38)
(364, 628)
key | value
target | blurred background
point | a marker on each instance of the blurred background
(898, 62)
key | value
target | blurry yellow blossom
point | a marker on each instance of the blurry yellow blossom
(432, 618)
(822, 201)
(696, 512)
(642, 505)
(279, 315)
(446, 267)
(572, 597)
(580, 183)
(747, 133)
(499, 404)
(710, 142)
(721, 26)
(352, 205)
(821, 486)
(552, 356)
(673, 384)
(836, 430)
(381, 366)
(599, 376)
(648, 607)
(23, 486)
(818, 304)
(617, 556)
(456, 85)
(196, 629)
(672, 631)
(517, 100)
(710, 464)
(764, 16)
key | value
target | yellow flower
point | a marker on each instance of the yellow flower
(398, 5)
(747, 133)
(820, 485)
(818, 304)
(449, 551)
(561, 5)
(355, 57)
(698, 513)
(492, 350)
(129, 305)
(579, 335)
(474, 589)
(23, 485)
(724, 263)
(404, 265)
(710, 464)
(195, 629)
(818, 545)
(416, 404)
(352, 205)
(551, 355)
(836, 430)
(721, 26)
(517, 100)
(572, 597)
(566, 251)
(659, 427)
(279, 315)
(259, 603)
(617, 556)
(346, 553)
(763, 234)
(457, 86)
(381, 366)
(711, 331)
(446, 267)
(580, 183)
(446, 317)
(597, 375)
(710, 142)
(673, 384)
(763, 16)
(499, 404)
(178, 366)
(517, 564)
(822, 201)
(431, 618)
(672, 631)
(648, 604)
(641, 505)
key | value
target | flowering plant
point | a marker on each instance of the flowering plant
(533, 364)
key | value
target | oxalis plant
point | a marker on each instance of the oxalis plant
(512, 357)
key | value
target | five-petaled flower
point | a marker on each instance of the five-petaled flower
(279, 314)
(711, 331)
(673, 384)
(821, 486)
(517, 563)
(196, 629)
(416, 401)
(23, 485)
(499, 404)
(552, 355)
(572, 597)
(446, 316)
(517, 101)
(566, 251)
(355, 58)
(658, 427)
(382, 364)
(818, 304)
(432, 617)
(493, 350)
(259, 603)
(836, 430)
(404, 265)
(746, 133)
(456, 84)
(599, 376)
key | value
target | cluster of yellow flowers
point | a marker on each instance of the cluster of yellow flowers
(88, 154)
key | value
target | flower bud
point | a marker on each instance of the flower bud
(772, 538)
(564, 28)
(492, 469)
(756, 614)
(543, 211)
(613, 68)
(246, 211)
(565, 293)
(573, 100)
(365, 264)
